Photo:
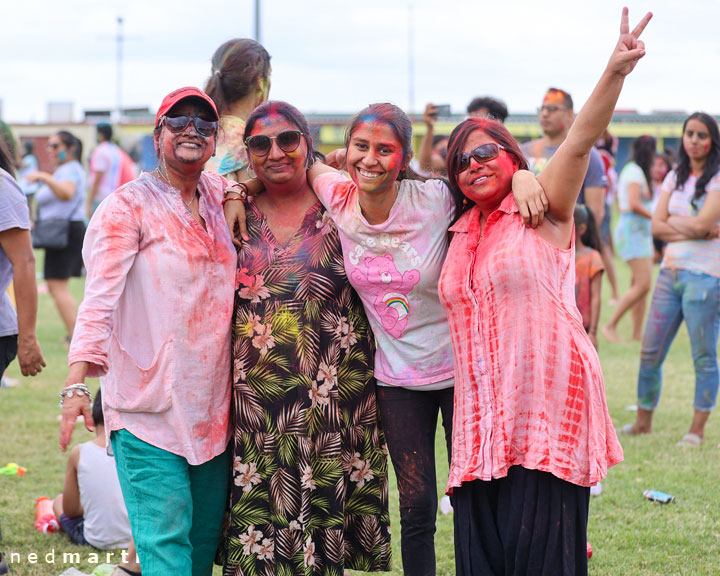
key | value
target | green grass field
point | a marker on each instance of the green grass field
(630, 536)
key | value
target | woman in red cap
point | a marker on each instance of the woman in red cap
(159, 257)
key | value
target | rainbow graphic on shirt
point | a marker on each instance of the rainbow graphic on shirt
(398, 302)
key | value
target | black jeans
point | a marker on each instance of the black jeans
(410, 418)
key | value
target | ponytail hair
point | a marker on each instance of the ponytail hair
(239, 66)
(72, 143)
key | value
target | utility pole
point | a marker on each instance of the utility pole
(119, 66)
(411, 62)
(257, 21)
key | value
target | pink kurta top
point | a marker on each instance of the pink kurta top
(155, 320)
(528, 385)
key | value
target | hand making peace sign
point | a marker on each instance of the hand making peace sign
(629, 48)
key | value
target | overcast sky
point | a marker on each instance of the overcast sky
(339, 56)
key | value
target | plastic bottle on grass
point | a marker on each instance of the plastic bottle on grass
(45, 520)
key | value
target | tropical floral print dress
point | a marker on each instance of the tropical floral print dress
(309, 492)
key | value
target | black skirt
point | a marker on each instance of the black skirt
(529, 523)
(66, 262)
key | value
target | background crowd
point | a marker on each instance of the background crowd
(294, 354)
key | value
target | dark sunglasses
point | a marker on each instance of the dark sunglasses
(481, 154)
(178, 124)
(287, 141)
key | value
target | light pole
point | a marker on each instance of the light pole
(118, 64)
(411, 62)
(257, 21)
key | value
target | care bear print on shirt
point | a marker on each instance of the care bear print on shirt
(390, 288)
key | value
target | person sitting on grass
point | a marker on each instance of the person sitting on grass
(91, 509)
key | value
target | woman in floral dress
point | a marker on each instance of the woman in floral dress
(309, 491)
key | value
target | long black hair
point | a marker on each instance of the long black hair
(643, 154)
(712, 164)
(72, 143)
(591, 237)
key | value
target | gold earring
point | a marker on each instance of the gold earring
(250, 172)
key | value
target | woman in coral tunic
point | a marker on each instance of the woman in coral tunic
(531, 429)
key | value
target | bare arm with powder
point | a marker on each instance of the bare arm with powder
(563, 176)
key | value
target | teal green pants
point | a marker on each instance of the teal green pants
(175, 509)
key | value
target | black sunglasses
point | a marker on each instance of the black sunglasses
(178, 124)
(481, 154)
(287, 141)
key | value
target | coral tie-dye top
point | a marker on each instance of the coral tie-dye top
(528, 385)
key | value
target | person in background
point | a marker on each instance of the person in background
(239, 81)
(61, 197)
(17, 266)
(632, 236)
(28, 165)
(105, 167)
(588, 270)
(91, 509)
(488, 107)
(155, 324)
(660, 168)
(556, 117)
(433, 147)
(688, 285)
(607, 145)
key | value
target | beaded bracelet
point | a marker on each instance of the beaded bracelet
(78, 389)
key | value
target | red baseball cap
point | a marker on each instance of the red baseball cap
(181, 94)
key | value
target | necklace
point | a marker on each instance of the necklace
(188, 205)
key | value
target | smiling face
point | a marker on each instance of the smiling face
(277, 167)
(186, 149)
(375, 157)
(486, 183)
(696, 140)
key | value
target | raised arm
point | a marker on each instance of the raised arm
(425, 154)
(563, 176)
